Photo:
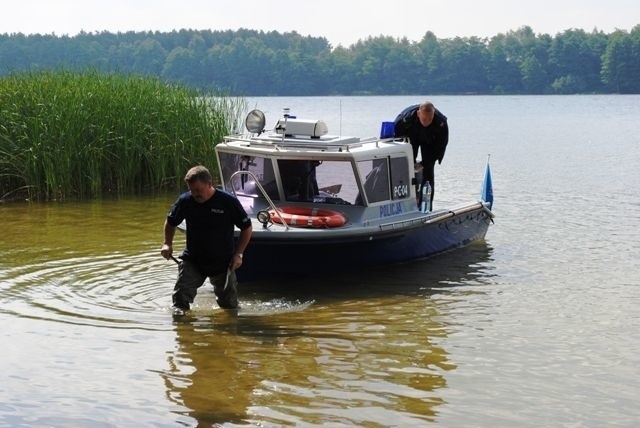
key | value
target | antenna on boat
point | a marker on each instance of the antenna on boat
(340, 117)
(285, 113)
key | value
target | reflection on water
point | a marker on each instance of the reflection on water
(326, 371)
(367, 351)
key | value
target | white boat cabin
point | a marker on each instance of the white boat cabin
(299, 163)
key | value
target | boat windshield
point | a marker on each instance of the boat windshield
(244, 185)
(330, 182)
(301, 180)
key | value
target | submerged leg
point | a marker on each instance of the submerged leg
(186, 288)
(227, 297)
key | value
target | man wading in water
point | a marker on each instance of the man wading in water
(210, 252)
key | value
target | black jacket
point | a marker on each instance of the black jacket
(431, 140)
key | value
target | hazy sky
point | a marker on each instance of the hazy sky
(340, 21)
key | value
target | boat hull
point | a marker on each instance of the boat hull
(282, 254)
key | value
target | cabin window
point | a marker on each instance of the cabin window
(298, 179)
(400, 180)
(376, 179)
(330, 182)
(244, 185)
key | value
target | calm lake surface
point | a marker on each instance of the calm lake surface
(539, 325)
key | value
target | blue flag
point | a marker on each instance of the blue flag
(487, 187)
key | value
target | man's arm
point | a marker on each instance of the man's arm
(444, 140)
(403, 121)
(243, 241)
(167, 245)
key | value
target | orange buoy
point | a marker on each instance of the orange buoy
(308, 217)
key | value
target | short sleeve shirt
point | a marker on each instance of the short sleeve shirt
(210, 226)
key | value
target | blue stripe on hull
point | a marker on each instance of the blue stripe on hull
(269, 258)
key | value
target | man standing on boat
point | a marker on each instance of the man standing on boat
(427, 130)
(210, 252)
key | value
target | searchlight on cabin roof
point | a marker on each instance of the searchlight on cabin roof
(255, 121)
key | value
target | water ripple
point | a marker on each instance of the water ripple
(114, 290)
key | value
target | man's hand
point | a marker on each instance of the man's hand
(167, 243)
(236, 261)
(166, 251)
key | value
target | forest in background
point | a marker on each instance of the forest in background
(257, 63)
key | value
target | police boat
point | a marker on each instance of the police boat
(331, 203)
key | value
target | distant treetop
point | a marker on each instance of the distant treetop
(249, 62)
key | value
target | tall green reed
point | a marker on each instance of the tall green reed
(83, 135)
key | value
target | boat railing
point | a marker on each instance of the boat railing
(338, 144)
(462, 210)
(401, 224)
(264, 192)
(438, 216)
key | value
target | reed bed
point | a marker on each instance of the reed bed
(85, 135)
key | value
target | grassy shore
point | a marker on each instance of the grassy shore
(68, 135)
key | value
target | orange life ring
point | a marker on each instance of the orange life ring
(308, 217)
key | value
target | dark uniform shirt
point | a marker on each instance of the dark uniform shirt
(431, 140)
(210, 242)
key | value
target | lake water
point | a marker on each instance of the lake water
(539, 325)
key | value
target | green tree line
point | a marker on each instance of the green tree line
(258, 63)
